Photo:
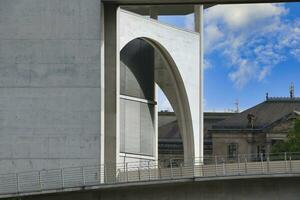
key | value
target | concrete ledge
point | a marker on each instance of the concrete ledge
(157, 184)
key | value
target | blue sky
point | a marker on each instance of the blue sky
(249, 50)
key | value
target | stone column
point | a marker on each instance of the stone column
(111, 91)
(198, 12)
(153, 15)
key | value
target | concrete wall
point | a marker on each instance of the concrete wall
(49, 84)
(246, 189)
(183, 48)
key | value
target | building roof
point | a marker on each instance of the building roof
(264, 114)
(168, 130)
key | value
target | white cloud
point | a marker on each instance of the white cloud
(239, 16)
(212, 35)
(296, 54)
(250, 37)
(207, 64)
(264, 72)
(243, 72)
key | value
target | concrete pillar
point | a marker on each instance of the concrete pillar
(111, 84)
(153, 15)
(198, 12)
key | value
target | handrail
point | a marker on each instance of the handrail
(145, 171)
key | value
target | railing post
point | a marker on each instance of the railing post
(239, 165)
(139, 173)
(285, 156)
(159, 171)
(82, 173)
(246, 166)
(223, 164)
(101, 174)
(62, 178)
(149, 174)
(201, 170)
(119, 178)
(171, 168)
(124, 169)
(105, 174)
(291, 168)
(126, 172)
(40, 183)
(181, 173)
(286, 162)
(216, 165)
(18, 183)
(193, 167)
(268, 163)
(262, 163)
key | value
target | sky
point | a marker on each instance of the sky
(249, 50)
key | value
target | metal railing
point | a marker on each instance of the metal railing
(216, 166)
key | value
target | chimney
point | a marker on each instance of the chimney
(292, 91)
(251, 118)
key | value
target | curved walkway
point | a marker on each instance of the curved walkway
(147, 172)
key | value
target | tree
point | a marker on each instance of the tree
(292, 144)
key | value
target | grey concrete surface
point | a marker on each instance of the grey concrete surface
(49, 84)
(178, 74)
(273, 188)
(51, 92)
(111, 87)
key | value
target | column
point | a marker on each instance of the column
(111, 90)
(153, 15)
(198, 12)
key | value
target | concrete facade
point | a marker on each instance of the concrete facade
(49, 84)
(60, 82)
(178, 67)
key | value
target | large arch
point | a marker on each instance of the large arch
(168, 78)
(177, 73)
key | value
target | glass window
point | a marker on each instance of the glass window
(137, 130)
(232, 151)
(261, 151)
(137, 70)
(137, 122)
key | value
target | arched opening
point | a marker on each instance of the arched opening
(144, 62)
(170, 145)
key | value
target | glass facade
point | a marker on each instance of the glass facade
(137, 107)
(137, 127)
(137, 70)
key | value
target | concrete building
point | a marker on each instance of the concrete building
(78, 78)
(169, 137)
(256, 129)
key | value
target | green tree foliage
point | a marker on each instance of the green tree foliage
(292, 144)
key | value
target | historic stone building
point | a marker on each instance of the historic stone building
(169, 136)
(256, 129)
